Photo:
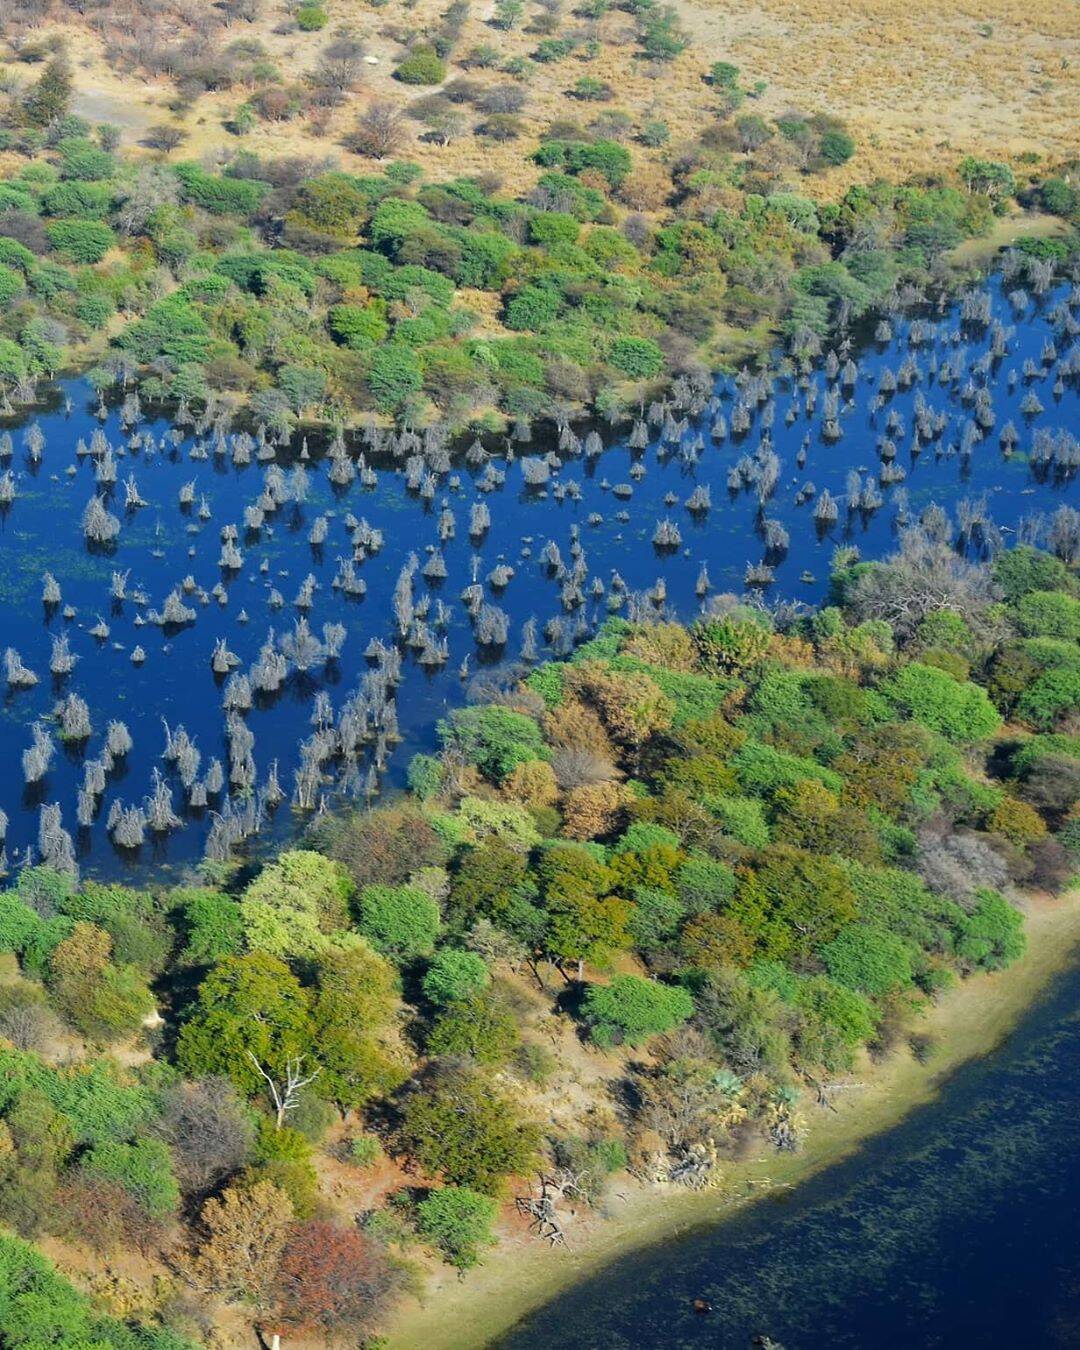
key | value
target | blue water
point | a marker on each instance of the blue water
(957, 1228)
(163, 543)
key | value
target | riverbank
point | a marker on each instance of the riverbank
(523, 1274)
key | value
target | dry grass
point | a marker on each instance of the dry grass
(919, 84)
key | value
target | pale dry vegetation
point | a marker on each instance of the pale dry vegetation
(916, 84)
(995, 77)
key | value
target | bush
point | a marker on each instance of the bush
(477, 1026)
(1016, 821)
(423, 65)
(494, 738)
(640, 358)
(532, 308)
(458, 1222)
(993, 935)
(454, 975)
(456, 1123)
(960, 711)
(631, 1009)
(1049, 614)
(1052, 695)
(394, 375)
(82, 241)
(402, 921)
(743, 818)
(142, 1168)
(311, 18)
(836, 147)
(360, 326)
(869, 959)
(365, 1151)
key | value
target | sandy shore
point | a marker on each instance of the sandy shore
(522, 1274)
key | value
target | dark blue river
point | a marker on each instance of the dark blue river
(945, 371)
(956, 1228)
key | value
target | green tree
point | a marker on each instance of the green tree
(105, 1001)
(494, 738)
(395, 374)
(401, 921)
(355, 1007)
(332, 202)
(213, 925)
(50, 98)
(988, 177)
(793, 903)
(458, 1222)
(81, 241)
(585, 922)
(247, 1006)
(423, 65)
(639, 358)
(454, 975)
(868, 958)
(295, 903)
(958, 709)
(143, 1168)
(456, 1123)
(631, 1009)
(478, 1026)
(992, 936)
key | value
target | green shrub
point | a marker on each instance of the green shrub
(425, 776)
(401, 921)
(142, 1168)
(494, 738)
(458, 1222)
(1021, 570)
(365, 1151)
(359, 326)
(993, 935)
(869, 959)
(1049, 614)
(836, 147)
(477, 1026)
(743, 818)
(423, 65)
(454, 975)
(1050, 697)
(395, 374)
(311, 18)
(630, 1009)
(82, 241)
(220, 195)
(640, 358)
(959, 710)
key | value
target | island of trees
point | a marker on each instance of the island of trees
(639, 913)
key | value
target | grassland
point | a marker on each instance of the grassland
(919, 85)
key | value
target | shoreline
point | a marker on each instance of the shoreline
(968, 1023)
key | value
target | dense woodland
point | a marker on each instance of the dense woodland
(726, 860)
